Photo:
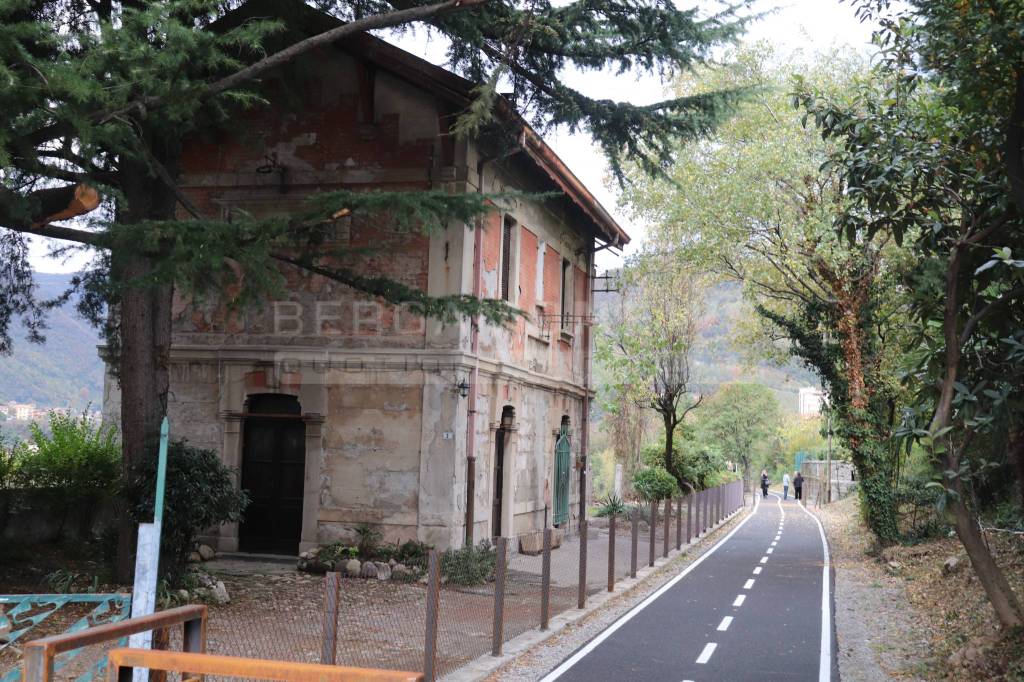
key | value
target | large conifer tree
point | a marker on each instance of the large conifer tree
(96, 97)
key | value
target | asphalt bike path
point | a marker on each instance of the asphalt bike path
(756, 606)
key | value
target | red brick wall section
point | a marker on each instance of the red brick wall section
(492, 255)
(315, 129)
(528, 272)
(552, 279)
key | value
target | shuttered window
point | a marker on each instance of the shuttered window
(506, 259)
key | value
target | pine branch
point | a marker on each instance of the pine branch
(300, 48)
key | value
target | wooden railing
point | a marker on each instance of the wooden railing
(39, 655)
(121, 662)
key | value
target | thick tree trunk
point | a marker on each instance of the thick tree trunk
(144, 317)
(991, 577)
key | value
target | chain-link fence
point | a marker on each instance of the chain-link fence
(435, 614)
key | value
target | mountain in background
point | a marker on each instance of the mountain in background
(66, 371)
(715, 360)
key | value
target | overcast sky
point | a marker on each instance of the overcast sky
(808, 24)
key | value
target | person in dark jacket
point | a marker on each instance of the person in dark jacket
(764, 483)
(798, 485)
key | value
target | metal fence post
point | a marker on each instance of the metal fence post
(635, 543)
(689, 518)
(668, 526)
(497, 630)
(611, 553)
(332, 595)
(707, 510)
(679, 523)
(433, 607)
(581, 592)
(654, 533)
(545, 582)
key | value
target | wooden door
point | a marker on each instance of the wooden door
(273, 473)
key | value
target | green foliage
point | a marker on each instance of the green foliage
(654, 484)
(369, 540)
(200, 493)
(76, 455)
(743, 422)
(921, 504)
(63, 581)
(467, 566)
(612, 505)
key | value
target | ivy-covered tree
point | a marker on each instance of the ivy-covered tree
(99, 96)
(931, 154)
(753, 204)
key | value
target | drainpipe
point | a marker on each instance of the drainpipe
(585, 421)
(475, 375)
(478, 260)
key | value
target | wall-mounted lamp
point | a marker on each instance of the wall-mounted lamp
(463, 388)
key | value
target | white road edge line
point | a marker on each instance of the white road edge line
(596, 642)
(705, 655)
(724, 625)
(825, 663)
(740, 598)
(747, 585)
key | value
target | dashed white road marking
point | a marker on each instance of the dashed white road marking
(705, 655)
(747, 585)
(774, 542)
(597, 641)
(724, 625)
(757, 570)
(764, 560)
(770, 550)
(740, 598)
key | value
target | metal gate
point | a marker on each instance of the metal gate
(562, 452)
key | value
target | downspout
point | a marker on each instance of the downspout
(585, 420)
(474, 344)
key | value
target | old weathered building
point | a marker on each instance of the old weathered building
(339, 410)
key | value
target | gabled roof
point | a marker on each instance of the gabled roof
(444, 84)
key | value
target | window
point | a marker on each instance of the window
(567, 295)
(507, 253)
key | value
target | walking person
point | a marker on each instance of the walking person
(798, 486)
(785, 486)
(764, 483)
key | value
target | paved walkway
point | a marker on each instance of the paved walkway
(756, 606)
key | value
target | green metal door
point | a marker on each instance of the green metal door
(562, 451)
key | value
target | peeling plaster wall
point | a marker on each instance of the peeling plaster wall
(386, 432)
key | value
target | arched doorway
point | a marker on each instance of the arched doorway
(508, 418)
(563, 449)
(273, 472)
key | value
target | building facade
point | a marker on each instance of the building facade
(339, 410)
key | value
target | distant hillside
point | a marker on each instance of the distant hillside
(64, 371)
(716, 362)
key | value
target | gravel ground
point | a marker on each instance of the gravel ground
(878, 633)
(541, 659)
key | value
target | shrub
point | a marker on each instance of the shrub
(654, 484)
(469, 565)
(200, 493)
(78, 456)
(612, 505)
(369, 541)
